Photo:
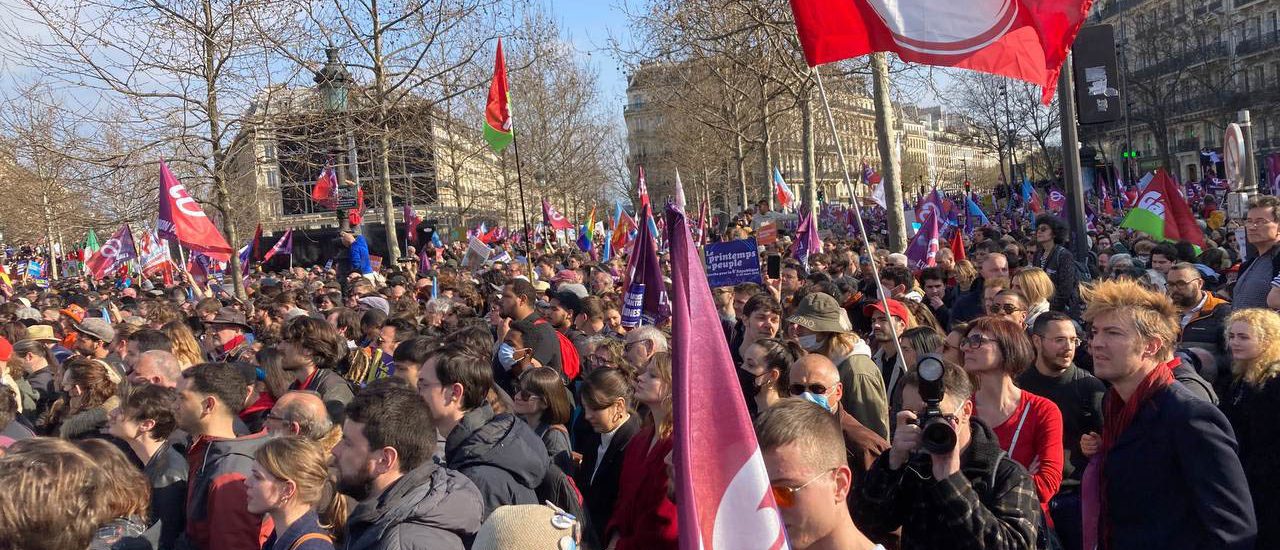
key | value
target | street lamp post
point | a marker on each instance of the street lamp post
(333, 82)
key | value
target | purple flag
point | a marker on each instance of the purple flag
(1273, 172)
(924, 245)
(807, 242)
(728, 504)
(645, 301)
(282, 246)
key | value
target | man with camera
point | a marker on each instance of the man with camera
(945, 481)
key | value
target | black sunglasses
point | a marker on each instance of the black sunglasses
(816, 389)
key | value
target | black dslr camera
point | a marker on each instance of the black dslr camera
(937, 434)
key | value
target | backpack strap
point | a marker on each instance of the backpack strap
(310, 536)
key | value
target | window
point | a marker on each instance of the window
(273, 178)
(269, 151)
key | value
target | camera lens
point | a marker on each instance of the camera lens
(937, 436)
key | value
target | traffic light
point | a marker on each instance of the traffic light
(822, 195)
(1130, 154)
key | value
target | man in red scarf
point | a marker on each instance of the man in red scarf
(1166, 474)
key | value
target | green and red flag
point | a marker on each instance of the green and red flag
(497, 112)
(1162, 213)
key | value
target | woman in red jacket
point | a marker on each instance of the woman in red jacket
(644, 518)
(1029, 426)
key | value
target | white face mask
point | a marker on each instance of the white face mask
(808, 342)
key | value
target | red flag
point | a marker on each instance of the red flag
(411, 222)
(1023, 39)
(1057, 200)
(325, 192)
(957, 246)
(728, 503)
(356, 215)
(117, 250)
(553, 218)
(255, 253)
(181, 219)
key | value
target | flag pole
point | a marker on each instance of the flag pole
(524, 217)
(857, 212)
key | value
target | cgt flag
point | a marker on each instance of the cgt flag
(1162, 213)
(118, 249)
(1023, 39)
(723, 489)
(181, 219)
(553, 218)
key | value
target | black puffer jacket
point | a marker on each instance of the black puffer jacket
(429, 508)
(501, 454)
(167, 474)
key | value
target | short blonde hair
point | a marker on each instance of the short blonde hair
(1266, 326)
(965, 273)
(1153, 314)
(1034, 284)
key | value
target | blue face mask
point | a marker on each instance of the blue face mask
(506, 355)
(820, 400)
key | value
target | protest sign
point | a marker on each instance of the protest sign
(733, 262)
(767, 234)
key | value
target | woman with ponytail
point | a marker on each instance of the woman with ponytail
(291, 483)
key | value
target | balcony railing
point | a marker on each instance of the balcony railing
(1190, 57)
(1190, 144)
(1260, 43)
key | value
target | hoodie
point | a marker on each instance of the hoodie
(216, 495)
(429, 508)
(500, 454)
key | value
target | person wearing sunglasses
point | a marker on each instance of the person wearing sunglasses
(800, 445)
(973, 496)
(815, 378)
(543, 402)
(1010, 305)
(1028, 426)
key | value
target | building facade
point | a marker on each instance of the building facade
(1188, 67)
(436, 164)
(659, 137)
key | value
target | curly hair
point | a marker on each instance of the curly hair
(1266, 330)
(1152, 313)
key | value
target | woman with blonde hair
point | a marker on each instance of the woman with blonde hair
(1253, 337)
(185, 346)
(644, 518)
(291, 483)
(1036, 286)
(965, 274)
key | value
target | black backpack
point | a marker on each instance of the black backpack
(560, 489)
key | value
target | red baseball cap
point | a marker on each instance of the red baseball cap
(896, 309)
(6, 349)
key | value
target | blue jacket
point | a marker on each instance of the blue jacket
(360, 256)
(1173, 480)
(305, 525)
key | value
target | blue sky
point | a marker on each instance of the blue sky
(590, 24)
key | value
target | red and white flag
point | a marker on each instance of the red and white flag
(553, 218)
(727, 504)
(117, 250)
(181, 219)
(1023, 39)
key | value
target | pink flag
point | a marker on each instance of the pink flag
(282, 246)
(117, 250)
(728, 504)
(923, 250)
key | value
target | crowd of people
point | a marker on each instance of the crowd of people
(1115, 401)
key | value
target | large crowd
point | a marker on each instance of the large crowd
(1012, 396)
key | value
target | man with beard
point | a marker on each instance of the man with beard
(1203, 318)
(1078, 396)
(312, 349)
(384, 462)
(209, 398)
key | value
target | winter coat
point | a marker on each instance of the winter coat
(500, 454)
(216, 495)
(1173, 479)
(89, 422)
(167, 474)
(308, 524)
(990, 504)
(1251, 411)
(430, 508)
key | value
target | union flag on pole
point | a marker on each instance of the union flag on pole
(723, 489)
(181, 219)
(497, 111)
(1023, 39)
(554, 219)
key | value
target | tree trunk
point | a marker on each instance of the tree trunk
(219, 156)
(808, 163)
(890, 178)
(766, 160)
(739, 163)
(384, 147)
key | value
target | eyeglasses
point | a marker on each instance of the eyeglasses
(786, 496)
(975, 341)
(1182, 284)
(816, 389)
(1007, 309)
(526, 395)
